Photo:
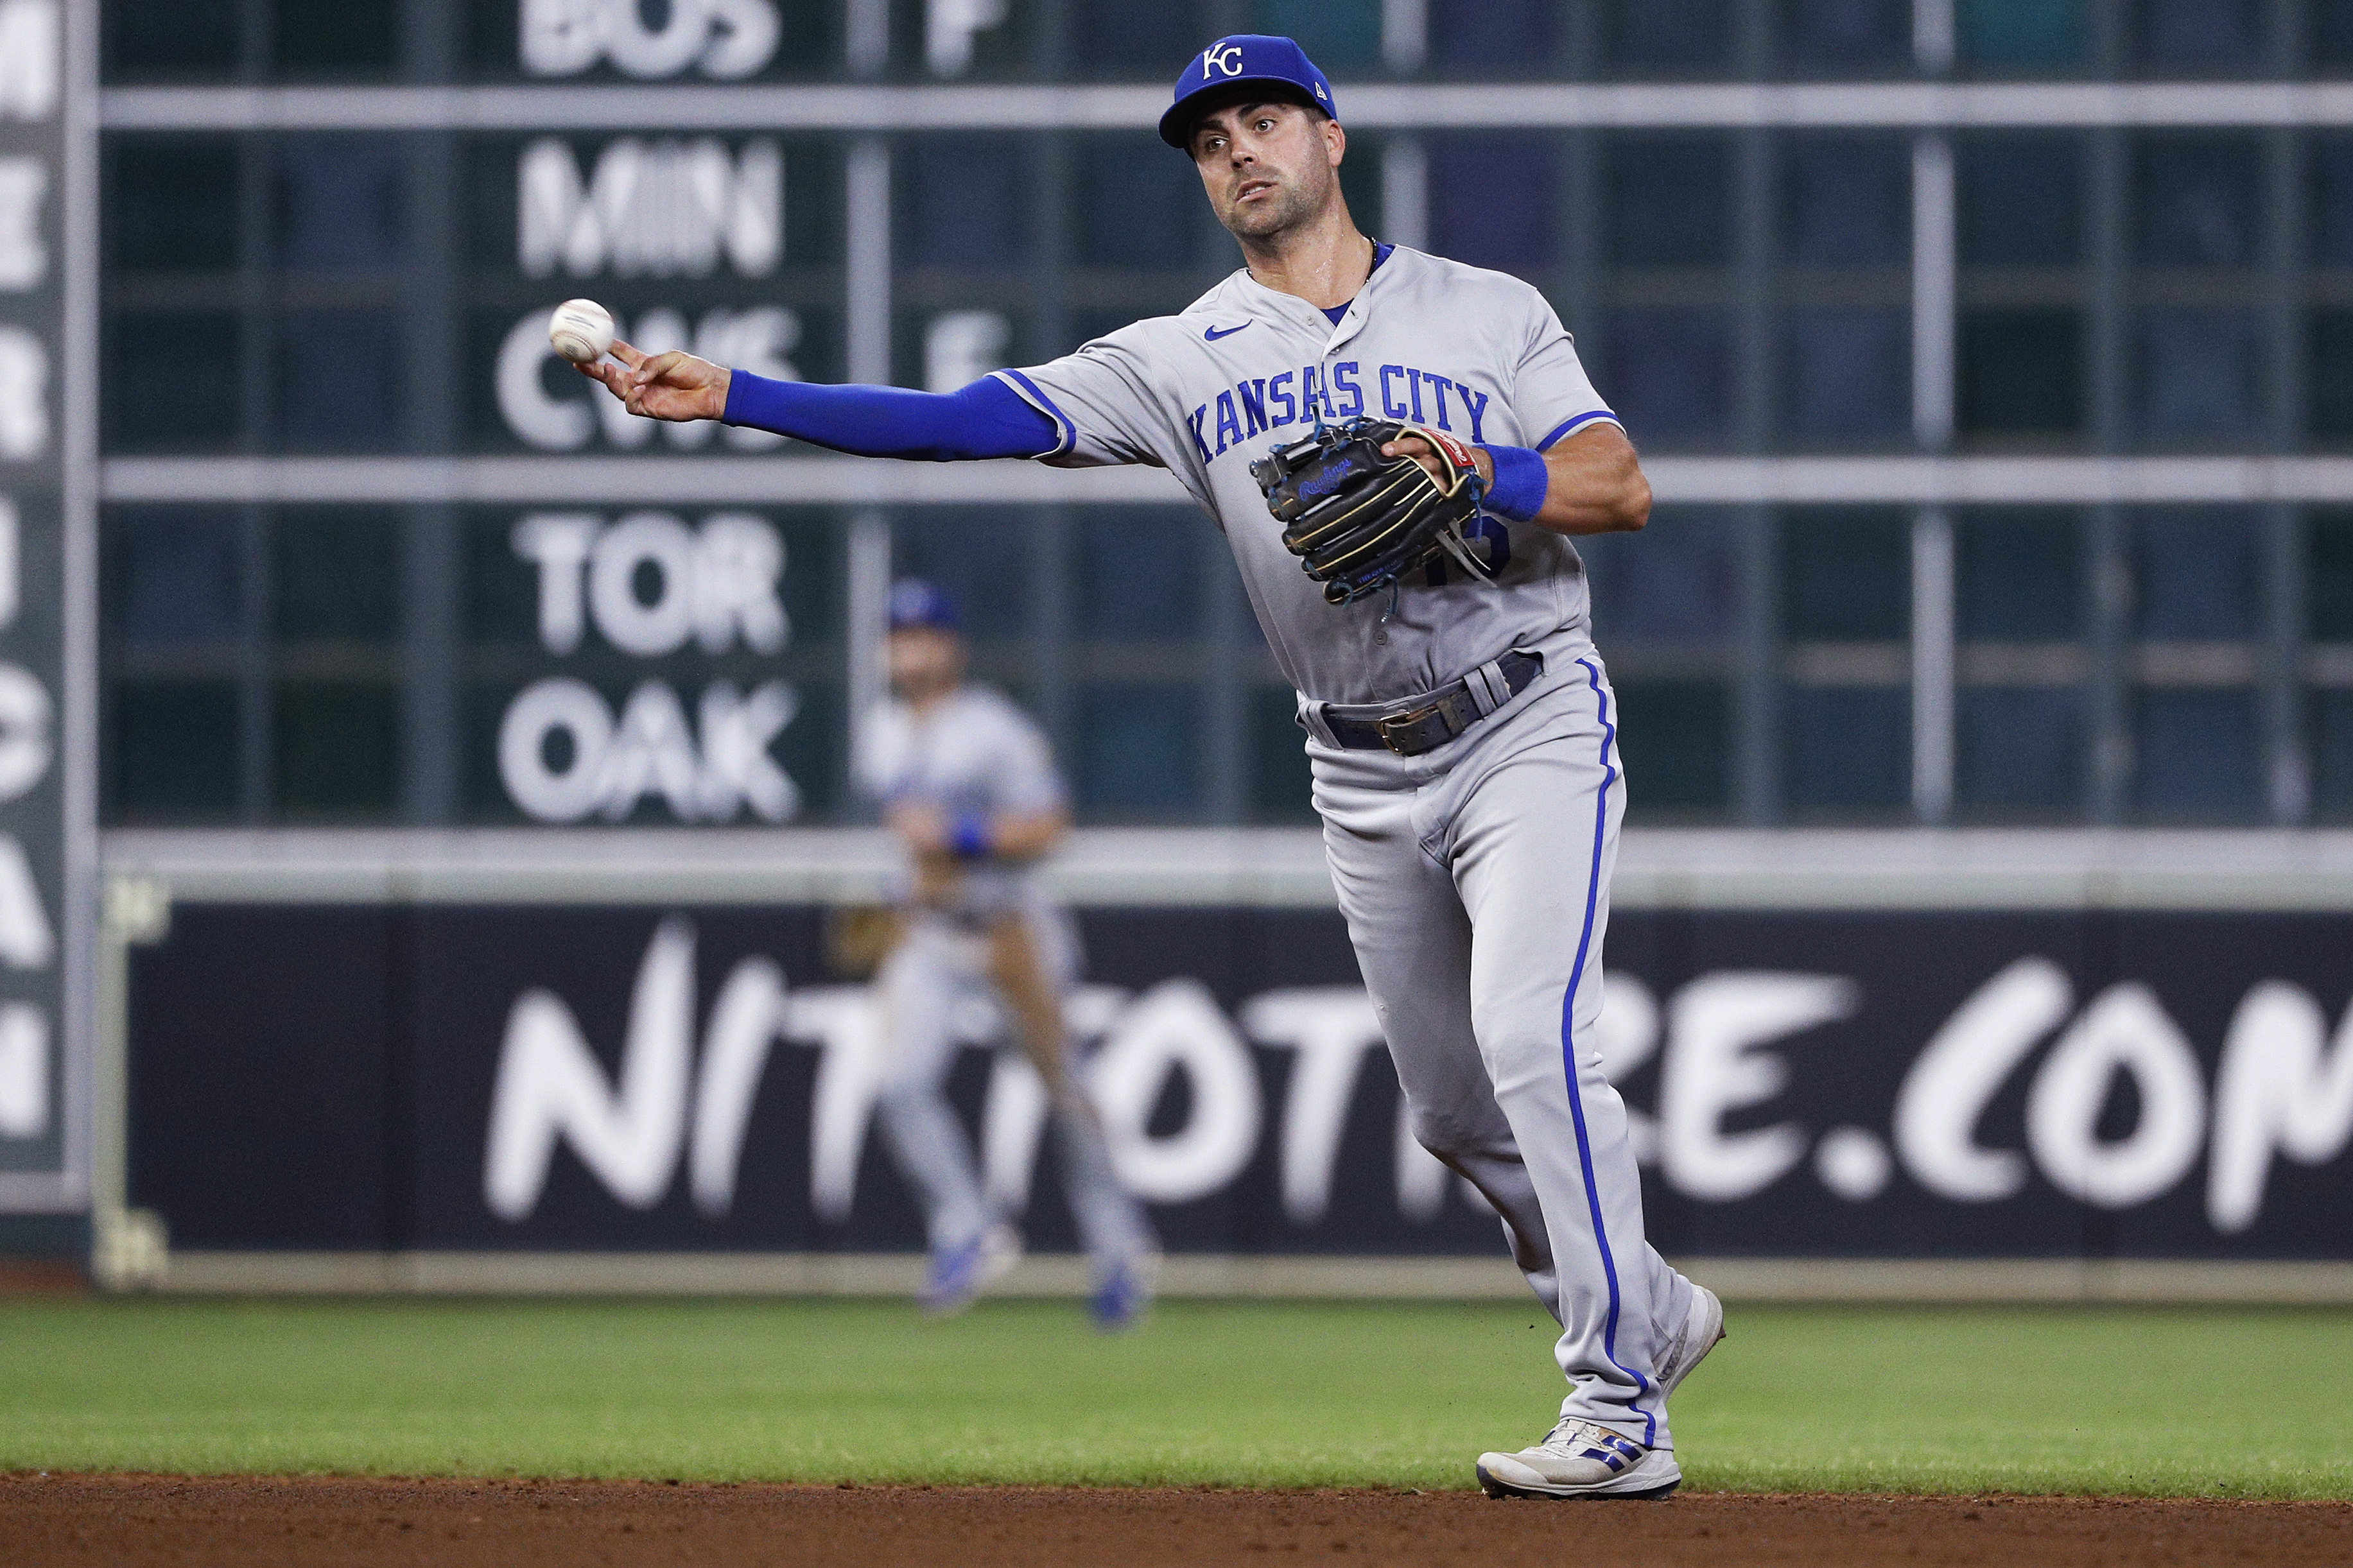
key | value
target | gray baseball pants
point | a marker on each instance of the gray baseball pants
(1475, 881)
(934, 968)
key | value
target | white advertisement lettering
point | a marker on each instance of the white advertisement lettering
(1725, 1041)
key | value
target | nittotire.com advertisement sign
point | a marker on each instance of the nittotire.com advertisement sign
(1897, 1085)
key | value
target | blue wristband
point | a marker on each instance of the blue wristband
(1521, 482)
(969, 839)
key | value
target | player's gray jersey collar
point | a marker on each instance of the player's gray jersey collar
(1240, 295)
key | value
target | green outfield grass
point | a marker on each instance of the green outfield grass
(2129, 1400)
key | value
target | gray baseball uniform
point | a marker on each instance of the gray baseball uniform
(1475, 878)
(976, 753)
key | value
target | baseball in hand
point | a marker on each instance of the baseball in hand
(581, 331)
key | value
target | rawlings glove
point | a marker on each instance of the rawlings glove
(1358, 521)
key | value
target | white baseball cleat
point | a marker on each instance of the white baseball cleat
(1703, 1330)
(1123, 1295)
(960, 1273)
(1579, 1459)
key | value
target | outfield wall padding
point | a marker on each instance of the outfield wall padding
(421, 1079)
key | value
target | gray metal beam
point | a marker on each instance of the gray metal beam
(1823, 868)
(1980, 480)
(1367, 106)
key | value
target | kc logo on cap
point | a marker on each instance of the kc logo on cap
(1244, 58)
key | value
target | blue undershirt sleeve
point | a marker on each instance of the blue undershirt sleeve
(987, 419)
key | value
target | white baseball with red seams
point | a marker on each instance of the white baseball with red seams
(581, 331)
(1474, 877)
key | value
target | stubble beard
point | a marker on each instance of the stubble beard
(1291, 208)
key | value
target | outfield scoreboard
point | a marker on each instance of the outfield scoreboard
(327, 308)
(1840, 269)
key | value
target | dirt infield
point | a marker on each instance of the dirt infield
(136, 1521)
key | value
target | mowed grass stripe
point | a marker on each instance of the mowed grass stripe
(2154, 1401)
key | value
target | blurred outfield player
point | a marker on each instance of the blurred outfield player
(1463, 733)
(967, 781)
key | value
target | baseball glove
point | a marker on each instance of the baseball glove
(859, 937)
(1358, 521)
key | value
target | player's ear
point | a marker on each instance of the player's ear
(1335, 142)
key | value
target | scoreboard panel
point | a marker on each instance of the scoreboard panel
(48, 840)
(1836, 300)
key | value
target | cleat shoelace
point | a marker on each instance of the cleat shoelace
(1583, 1440)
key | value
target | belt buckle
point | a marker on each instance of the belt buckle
(1394, 728)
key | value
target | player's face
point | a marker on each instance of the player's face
(925, 661)
(1268, 167)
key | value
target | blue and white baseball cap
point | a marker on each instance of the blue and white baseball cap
(917, 604)
(1244, 57)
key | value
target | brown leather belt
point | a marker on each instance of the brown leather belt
(1435, 718)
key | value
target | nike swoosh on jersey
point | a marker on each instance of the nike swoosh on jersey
(1214, 333)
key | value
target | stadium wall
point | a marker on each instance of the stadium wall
(1967, 1065)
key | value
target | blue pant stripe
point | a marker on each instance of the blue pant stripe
(1568, 1056)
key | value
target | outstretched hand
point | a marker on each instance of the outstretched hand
(674, 385)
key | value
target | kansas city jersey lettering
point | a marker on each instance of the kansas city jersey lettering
(1478, 355)
(1269, 403)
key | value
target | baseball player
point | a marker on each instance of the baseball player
(967, 785)
(1426, 443)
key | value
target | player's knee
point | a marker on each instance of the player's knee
(1508, 1025)
(1450, 1138)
